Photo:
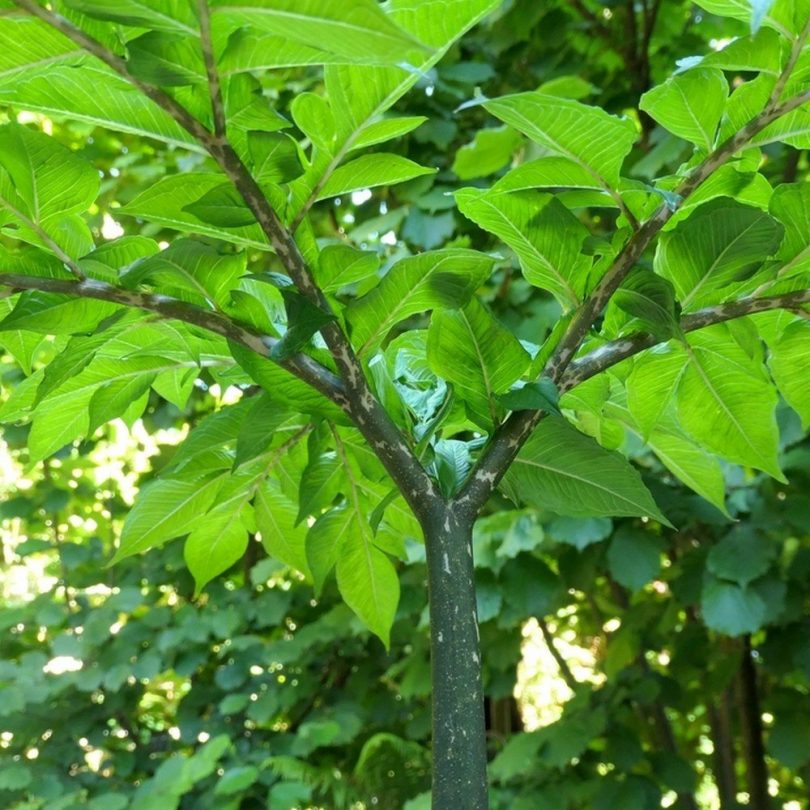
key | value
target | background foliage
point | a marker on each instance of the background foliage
(682, 656)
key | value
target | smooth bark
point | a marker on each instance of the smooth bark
(459, 738)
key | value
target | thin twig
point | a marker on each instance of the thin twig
(214, 89)
(795, 53)
(562, 664)
(613, 352)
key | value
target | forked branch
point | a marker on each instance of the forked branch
(362, 405)
(510, 436)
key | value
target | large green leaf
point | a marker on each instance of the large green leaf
(42, 185)
(561, 469)
(169, 202)
(93, 93)
(190, 270)
(57, 313)
(729, 609)
(368, 582)
(160, 15)
(754, 12)
(722, 243)
(346, 28)
(171, 60)
(368, 171)
(689, 105)
(547, 172)
(276, 520)
(789, 363)
(469, 348)
(790, 204)
(442, 278)
(634, 557)
(19, 343)
(28, 45)
(546, 237)
(588, 136)
(168, 508)
(685, 459)
(726, 402)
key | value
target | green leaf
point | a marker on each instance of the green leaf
(236, 780)
(470, 349)
(689, 105)
(651, 299)
(339, 265)
(691, 464)
(321, 482)
(561, 469)
(223, 207)
(26, 44)
(634, 557)
(276, 520)
(258, 429)
(325, 539)
(722, 243)
(368, 581)
(304, 319)
(111, 400)
(77, 355)
(541, 395)
(490, 150)
(167, 508)
(730, 609)
(789, 740)
(93, 93)
(761, 53)
(168, 203)
(755, 12)
(57, 313)
(171, 60)
(215, 545)
(162, 15)
(652, 384)
(790, 204)
(43, 186)
(249, 50)
(588, 136)
(360, 95)
(546, 237)
(346, 28)
(20, 344)
(190, 270)
(788, 361)
(64, 414)
(442, 278)
(283, 387)
(741, 556)
(368, 171)
(547, 172)
(726, 403)
(274, 157)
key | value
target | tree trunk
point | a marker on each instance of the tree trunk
(459, 737)
(751, 721)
